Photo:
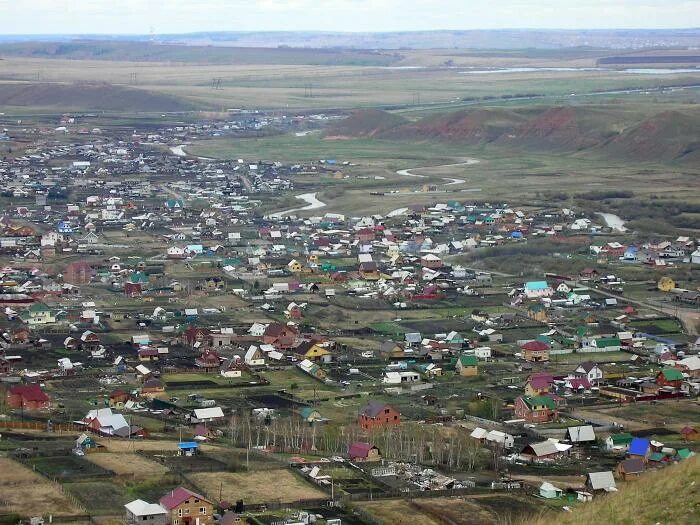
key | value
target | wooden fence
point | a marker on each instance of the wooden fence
(42, 425)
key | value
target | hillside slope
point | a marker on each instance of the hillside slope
(105, 97)
(366, 123)
(474, 127)
(668, 135)
(670, 496)
(613, 132)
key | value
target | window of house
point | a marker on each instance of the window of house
(202, 510)
(176, 522)
(179, 512)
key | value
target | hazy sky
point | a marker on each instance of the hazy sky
(176, 16)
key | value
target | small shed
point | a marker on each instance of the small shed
(549, 491)
(187, 448)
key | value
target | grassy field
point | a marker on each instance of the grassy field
(257, 487)
(279, 79)
(502, 172)
(26, 491)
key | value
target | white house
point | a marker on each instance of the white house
(257, 330)
(590, 371)
(254, 356)
(202, 415)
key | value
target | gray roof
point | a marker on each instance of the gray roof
(601, 480)
(581, 434)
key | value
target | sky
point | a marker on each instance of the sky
(182, 16)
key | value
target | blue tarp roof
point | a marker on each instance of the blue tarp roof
(639, 447)
(187, 444)
(536, 285)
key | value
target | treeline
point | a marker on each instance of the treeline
(445, 447)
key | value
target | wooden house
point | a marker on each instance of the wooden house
(364, 452)
(185, 507)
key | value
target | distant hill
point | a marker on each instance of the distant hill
(478, 126)
(668, 135)
(668, 496)
(447, 39)
(565, 128)
(105, 97)
(366, 123)
(614, 132)
(205, 54)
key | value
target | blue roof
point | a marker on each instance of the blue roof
(536, 285)
(187, 444)
(639, 447)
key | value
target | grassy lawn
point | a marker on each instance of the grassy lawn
(292, 376)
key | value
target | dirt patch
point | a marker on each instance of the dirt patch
(256, 487)
(131, 465)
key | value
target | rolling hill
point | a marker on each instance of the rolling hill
(667, 135)
(105, 97)
(366, 123)
(474, 127)
(606, 131)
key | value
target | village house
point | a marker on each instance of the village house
(27, 397)
(375, 415)
(280, 335)
(630, 469)
(138, 512)
(364, 452)
(467, 366)
(669, 377)
(185, 507)
(208, 361)
(591, 371)
(535, 351)
(536, 409)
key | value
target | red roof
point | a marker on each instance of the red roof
(359, 450)
(31, 392)
(535, 346)
(176, 497)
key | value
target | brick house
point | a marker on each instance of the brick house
(196, 337)
(78, 272)
(27, 397)
(209, 361)
(185, 507)
(535, 351)
(280, 335)
(536, 409)
(375, 415)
